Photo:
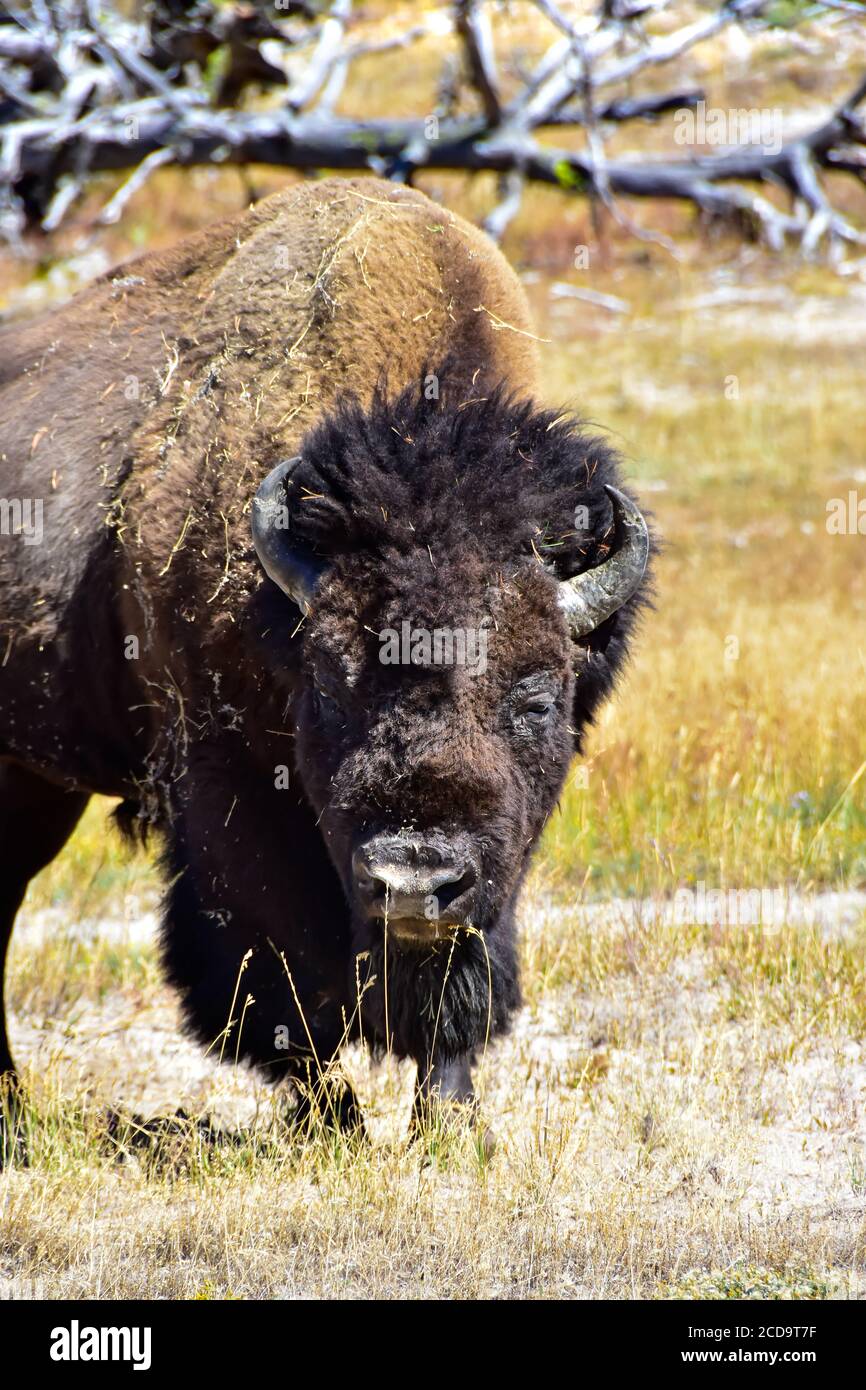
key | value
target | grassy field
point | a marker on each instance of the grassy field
(681, 1108)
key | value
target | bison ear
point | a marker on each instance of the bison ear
(594, 595)
(291, 566)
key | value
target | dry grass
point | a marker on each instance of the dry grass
(680, 1108)
(734, 750)
(667, 1111)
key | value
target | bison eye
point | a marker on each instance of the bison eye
(531, 715)
(532, 703)
(536, 710)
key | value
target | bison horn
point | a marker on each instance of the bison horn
(591, 597)
(295, 572)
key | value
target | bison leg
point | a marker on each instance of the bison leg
(447, 1092)
(450, 1084)
(36, 820)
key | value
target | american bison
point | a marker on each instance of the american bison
(296, 565)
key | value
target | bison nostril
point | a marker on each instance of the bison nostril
(452, 888)
(401, 880)
(365, 875)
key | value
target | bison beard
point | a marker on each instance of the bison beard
(443, 1003)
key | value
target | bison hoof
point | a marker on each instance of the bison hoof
(439, 1126)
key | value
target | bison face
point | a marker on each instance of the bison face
(432, 739)
(466, 577)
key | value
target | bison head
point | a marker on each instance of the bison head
(468, 573)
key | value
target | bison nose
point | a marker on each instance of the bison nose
(406, 881)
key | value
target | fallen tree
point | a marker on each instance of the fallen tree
(84, 90)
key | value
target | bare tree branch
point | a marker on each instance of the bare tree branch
(511, 186)
(846, 6)
(326, 55)
(473, 26)
(114, 207)
(563, 82)
(83, 90)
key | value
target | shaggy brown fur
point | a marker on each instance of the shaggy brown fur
(143, 653)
